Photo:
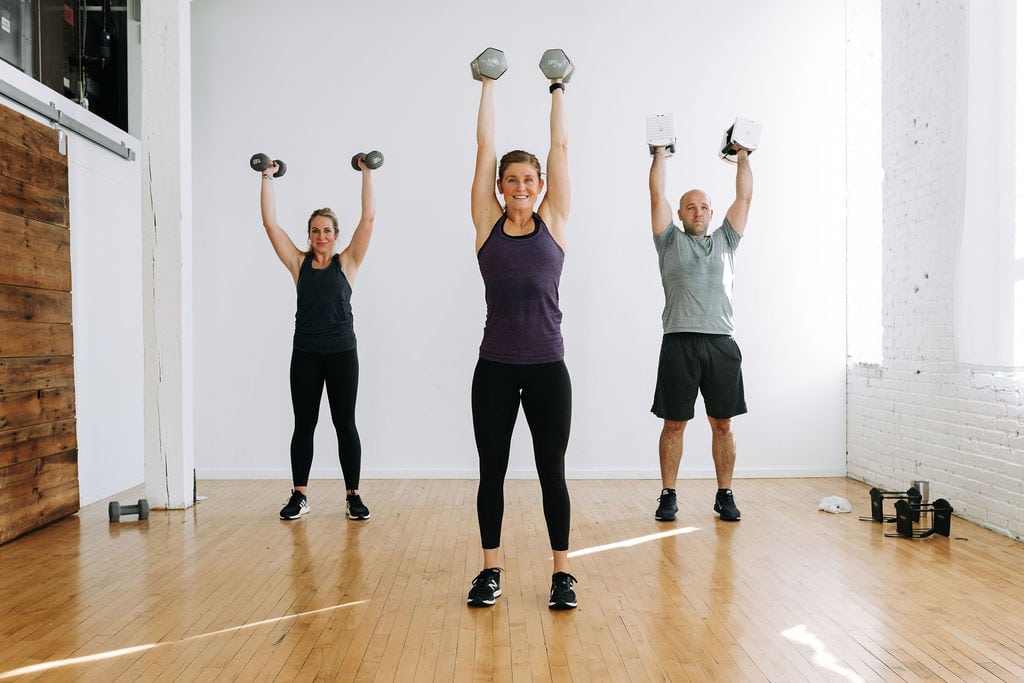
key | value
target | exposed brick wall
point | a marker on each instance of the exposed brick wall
(921, 415)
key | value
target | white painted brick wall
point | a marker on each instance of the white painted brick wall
(921, 415)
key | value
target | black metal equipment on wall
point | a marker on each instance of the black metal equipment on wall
(16, 33)
(75, 48)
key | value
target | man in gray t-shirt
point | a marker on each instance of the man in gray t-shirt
(698, 351)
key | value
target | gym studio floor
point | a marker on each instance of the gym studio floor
(227, 591)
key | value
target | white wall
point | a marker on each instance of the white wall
(315, 82)
(987, 256)
(864, 180)
(107, 305)
(106, 267)
(923, 413)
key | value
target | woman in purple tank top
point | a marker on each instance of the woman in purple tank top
(520, 251)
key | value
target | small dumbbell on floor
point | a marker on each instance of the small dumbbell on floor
(115, 510)
(373, 160)
(261, 162)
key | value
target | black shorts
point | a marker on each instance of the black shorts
(707, 362)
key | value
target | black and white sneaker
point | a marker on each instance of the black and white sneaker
(725, 506)
(296, 507)
(486, 587)
(562, 594)
(667, 506)
(354, 507)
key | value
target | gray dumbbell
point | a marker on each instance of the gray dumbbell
(372, 160)
(490, 63)
(115, 510)
(261, 162)
(555, 64)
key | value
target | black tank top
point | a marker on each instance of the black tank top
(323, 309)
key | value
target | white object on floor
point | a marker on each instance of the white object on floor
(834, 504)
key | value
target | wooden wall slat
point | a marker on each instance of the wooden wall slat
(37, 441)
(27, 408)
(26, 478)
(37, 203)
(51, 505)
(19, 163)
(30, 304)
(34, 254)
(21, 340)
(29, 374)
(37, 137)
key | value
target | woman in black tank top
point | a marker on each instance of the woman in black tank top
(324, 345)
(521, 361)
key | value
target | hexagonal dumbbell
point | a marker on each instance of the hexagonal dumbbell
(555, 63)
(490, 63)
(372, 160)
(115, 510)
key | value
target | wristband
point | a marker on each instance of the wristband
(556, 86)
(268, 177)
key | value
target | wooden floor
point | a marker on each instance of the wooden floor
(226, 591)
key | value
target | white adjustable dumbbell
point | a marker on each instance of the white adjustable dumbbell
(743, 132)
(661, 133)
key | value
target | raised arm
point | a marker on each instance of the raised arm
(661, 209)
(352, 256)
(740, 209)
(484, 204)
(285, 249)
(554, 210)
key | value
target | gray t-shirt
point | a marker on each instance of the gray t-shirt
(697, 274)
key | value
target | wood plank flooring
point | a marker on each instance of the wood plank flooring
(226, 591)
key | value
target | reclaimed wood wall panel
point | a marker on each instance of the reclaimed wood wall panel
(24, 408)
(29, 374)
(20, 162)
(52, 470)
(27, 304)
(34, 254)
(39, 139)
(42, 506)
(45, 204)
(38, 439)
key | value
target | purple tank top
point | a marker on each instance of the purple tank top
(521, 275)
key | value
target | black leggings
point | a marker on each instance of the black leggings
(546, 396)
(309, 373)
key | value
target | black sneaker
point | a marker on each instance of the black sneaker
(486, 587)
(667, 507)
(562, 594)
(354, 507)
(725, 506)
(296, 507)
